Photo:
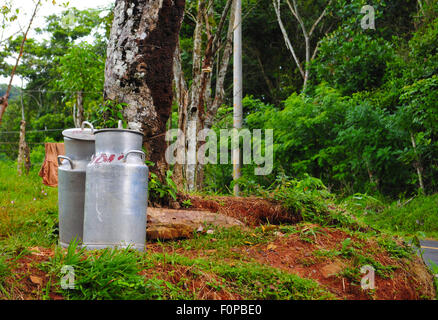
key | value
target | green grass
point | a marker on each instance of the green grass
(107, 274)
(223, 239)
(419, 216)
(116, 274)
(5, 271)
(28, 209)
(252, 280)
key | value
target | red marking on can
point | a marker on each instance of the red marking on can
(104, 157)
(120, 157)
(111, 158)
(97, 160)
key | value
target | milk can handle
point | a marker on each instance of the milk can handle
(88, 124)
(66, 158)
(141, 153)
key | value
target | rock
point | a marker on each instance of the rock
(168, 231)
(174, 205)
(331, 269)
(168, 224)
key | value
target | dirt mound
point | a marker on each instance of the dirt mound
(252, 211)
(340, 274)
(202, 285)
(409, 280)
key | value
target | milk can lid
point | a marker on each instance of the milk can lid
(118, 130)
(79, 134)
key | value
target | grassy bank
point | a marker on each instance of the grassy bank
(415, 216)
(318, 258)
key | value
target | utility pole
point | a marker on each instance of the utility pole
(237, 91)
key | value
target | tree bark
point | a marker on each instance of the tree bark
(417, 164)
(23, 161)
(182, 98)
(80, 109)
(197, 107)
(138, 68)
(304, 70)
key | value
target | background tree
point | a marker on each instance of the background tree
(5, 97)
(307, 26)
(199, 102)
(47, 105)
(81, 70)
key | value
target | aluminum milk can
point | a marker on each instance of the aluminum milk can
(116, 191)
(79, 147)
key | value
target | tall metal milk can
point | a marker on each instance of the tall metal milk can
(116, 191)
(79, 147)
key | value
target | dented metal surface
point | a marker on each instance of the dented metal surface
(79, 147)
(116, 191)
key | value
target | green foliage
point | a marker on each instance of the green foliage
(302, 130)
(81, 70)
(352, 61)
(108, 115)
(422, 59)
(187, 203)
(54, 67)
(255, 281)
(362, 204)
(37, 154)
(410, 216)
(108, 274)
(160, 192)
(287, 286)
(394, 249)
(305, 197)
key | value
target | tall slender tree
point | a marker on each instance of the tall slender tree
(310, 53)
(5, 98)
(198, 104)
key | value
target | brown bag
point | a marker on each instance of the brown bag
(49, 169)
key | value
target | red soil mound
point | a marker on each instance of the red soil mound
(250, 210)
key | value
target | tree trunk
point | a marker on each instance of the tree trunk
(138, 68)
(80, 109)
(197, 108)
(23, 161)
(182, 98)
(293, 7)
(417, 164)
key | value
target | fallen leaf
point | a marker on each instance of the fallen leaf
(36, 280)
(271, 246)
